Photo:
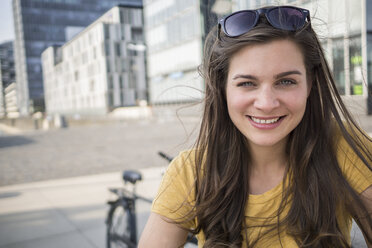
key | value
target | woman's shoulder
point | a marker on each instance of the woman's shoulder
(355, 170)
(183, 164)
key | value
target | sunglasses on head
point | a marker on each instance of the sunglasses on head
(282, 17)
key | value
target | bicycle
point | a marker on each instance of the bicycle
(121, 221)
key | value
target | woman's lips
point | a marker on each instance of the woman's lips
(266, 122)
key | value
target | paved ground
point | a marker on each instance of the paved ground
(65, 213)
(86, 150)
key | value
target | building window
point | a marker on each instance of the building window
(338, 64)
(121, 16)
(84, 57)
(369, 61)
(137, 34)
(123, 65)
(76, 76)
(107, 32)
(91, 86)
(107, 49)
(122, 82)
(110, 98)
(117, 49)
(356, 76)
(132, 80)
(108, 66)
(122, 32)
(110, 83)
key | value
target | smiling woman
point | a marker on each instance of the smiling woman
(266, 101)
(279, 161)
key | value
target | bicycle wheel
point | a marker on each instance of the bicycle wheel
(119, 231)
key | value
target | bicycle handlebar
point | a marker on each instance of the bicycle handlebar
(165, 156)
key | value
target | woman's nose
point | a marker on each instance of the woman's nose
(266, 99)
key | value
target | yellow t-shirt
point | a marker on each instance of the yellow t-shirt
(176, 196)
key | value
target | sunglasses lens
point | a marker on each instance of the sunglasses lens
(286, 18)
(240, 23)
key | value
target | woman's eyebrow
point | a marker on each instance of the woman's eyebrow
(280, 75)
(286, 73)
(246, 76)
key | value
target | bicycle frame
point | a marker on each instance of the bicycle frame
(128, 200)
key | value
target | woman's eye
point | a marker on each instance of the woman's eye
(287, 82)
(245, 84)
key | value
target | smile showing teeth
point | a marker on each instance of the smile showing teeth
(260, 121)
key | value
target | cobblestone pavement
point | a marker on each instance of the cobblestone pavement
(91, 149)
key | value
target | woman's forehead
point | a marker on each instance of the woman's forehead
(275, 56)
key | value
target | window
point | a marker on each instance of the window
(122, 82)
(356, 77)
(110, 98)
(369, 60)
(107, 49)
(84, 58)
(122, 32)
(107, 32)
(137, 34)
(110, 83)
(76, 76)
(338, 64)
(117, 49)
(123, 65)
(91, 85)
(108, 65)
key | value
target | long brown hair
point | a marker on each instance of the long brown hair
(317, 187)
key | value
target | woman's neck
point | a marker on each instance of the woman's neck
(267, 167)
(268, 157)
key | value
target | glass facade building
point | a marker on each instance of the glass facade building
(39, 24)
(345, 30)
(7, 73)
(175, 31)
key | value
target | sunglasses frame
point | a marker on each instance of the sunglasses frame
(258, 12)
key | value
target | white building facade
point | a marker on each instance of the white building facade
(100, 69)
(10, 96)
(174, 38)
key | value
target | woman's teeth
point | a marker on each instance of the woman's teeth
(268, 121)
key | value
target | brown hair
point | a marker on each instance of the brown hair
(317, 185)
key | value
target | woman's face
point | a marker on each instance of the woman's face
(266, 91)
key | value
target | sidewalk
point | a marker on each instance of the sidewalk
(65, 213)
(70, 213)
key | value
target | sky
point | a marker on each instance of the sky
(6, 21)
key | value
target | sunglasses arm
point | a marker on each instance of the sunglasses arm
(219, 31)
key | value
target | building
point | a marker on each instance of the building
(10, 97)
(42, 23)
(101, 68)
(175, 33)
(2, 102)
(7, 74)
(345, 29)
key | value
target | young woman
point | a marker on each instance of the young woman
(279, 161)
